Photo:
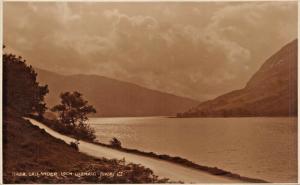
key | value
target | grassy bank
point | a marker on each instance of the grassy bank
(29, 150)
(177, 160)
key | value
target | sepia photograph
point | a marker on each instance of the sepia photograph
(147, 92)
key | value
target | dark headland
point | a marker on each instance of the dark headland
(272, 91)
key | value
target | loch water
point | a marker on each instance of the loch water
(256, 147)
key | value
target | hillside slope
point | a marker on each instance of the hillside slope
(112, 97)
(28, 149)
(272, 91)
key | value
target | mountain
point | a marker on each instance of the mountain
(272, 91)
(113, 97)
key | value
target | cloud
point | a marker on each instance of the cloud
(138, 21)
(66, 15)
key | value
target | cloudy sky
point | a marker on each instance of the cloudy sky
(198, 50)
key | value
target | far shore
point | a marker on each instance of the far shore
(234, 117)
(194, 116)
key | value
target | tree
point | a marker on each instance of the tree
(21, 91)
(73, 112)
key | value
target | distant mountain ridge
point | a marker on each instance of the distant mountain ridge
(113, 97)
(272, 91)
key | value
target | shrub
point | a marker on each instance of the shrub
(115, 143)
(74, 145)
(85, 132)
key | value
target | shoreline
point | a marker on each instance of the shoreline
(186, 163)
(172, 159)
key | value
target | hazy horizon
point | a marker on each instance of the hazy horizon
(193, 49)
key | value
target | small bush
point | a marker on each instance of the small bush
(115, 143)
(74, 145)
(85, 132)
